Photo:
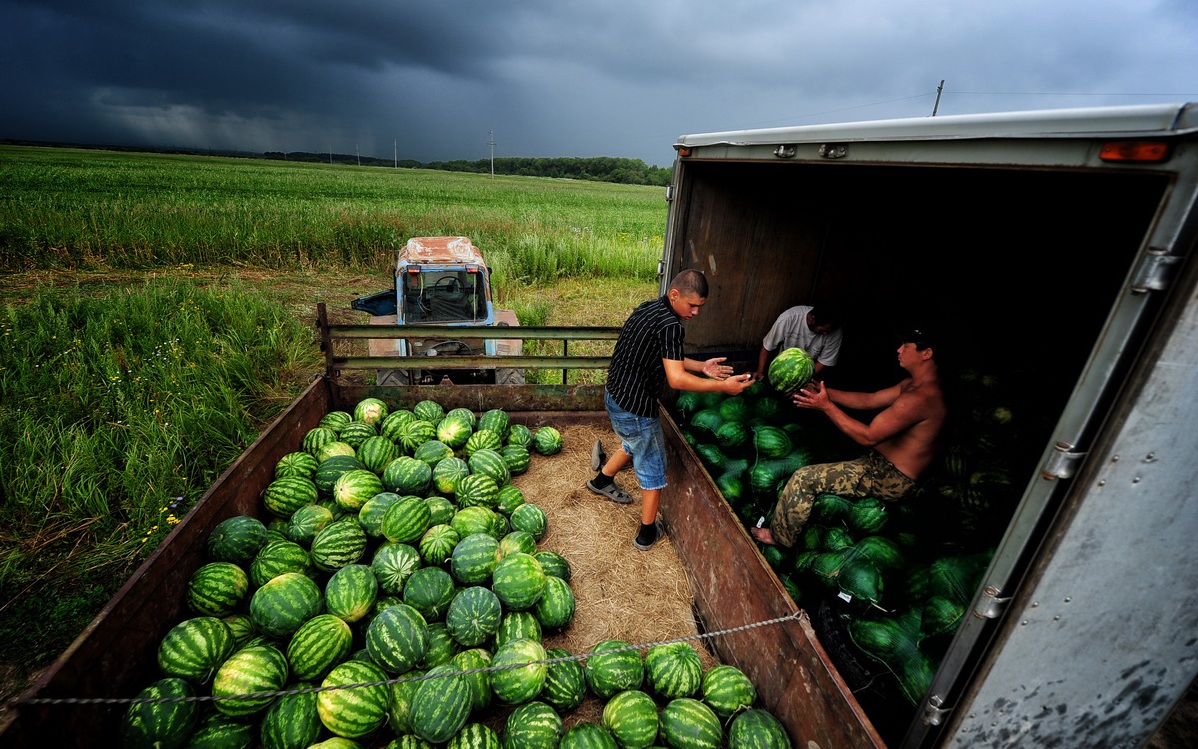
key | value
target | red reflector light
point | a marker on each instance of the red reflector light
(1134, 150)
(413, 271)
(472, 270)
(684, 151)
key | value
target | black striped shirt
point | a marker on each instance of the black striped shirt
(636, 376)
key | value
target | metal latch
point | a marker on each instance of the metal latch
(786, 151)
(833, 150)
(1155, 271)
(1062, 463)
(990, 605)
(934, 713)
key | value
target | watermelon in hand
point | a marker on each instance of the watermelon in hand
(791, 370)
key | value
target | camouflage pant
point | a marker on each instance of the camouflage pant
(868, 476)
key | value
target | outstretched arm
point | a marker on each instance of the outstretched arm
(679, 375)
(899, 414)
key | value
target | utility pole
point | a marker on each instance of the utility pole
(939, 90)
(395, 152)
(491, 140)
(358, 154)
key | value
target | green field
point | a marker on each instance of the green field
(158, 313)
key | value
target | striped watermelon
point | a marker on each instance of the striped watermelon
(474, 558)
(474, 662)
(772, 442)
(150, 725)
(757, 729)
(354, 712)
(354, 487)
(319, 644)
(477, 519)
(429, 410)
(335, 420)
(339, 544)
(555, 608)
(513, 683)
(533, 725)
(334, 449)
(291, 720)
(790, 370)
(478, 490)
(331, 469)
(441, 705)
(285, 602)
(631, 716)
(399, 705)
(474, 736)
(495, 420)
(370, 517)
(483, 439)
(530, 518)
(726, 690)
(517, 457)
(515, 541)
(565, 681)
(490, 463)
(278, 557)
(473, 615)
(306, 522)
(237, 539)
(432, 452)
(393, 564)
(441, 509)
(613, 666)
(254, 669)
(351, 592)
(464, 413)
(429, 590)
(673, 670)
(554, 564)
(407, 475)
(392, 426)
(376, 453)
(437, 545)
(517, 624)
(371, 410)
(441, 647)
(519, 434)
(301, 463)
(397, 638)
(687, 722)
(286, 495)
(317, 438)
(509, 498)
(547, 440)
(454, 430)
(356, 432)
(216, 730)
(406, 520)
(194, 648)
(588, 735)
(448, 472)
(518, 580)
(415, 433)
(242, 627)
(217, 589)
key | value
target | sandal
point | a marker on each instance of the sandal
(612, 492)
(661, 533)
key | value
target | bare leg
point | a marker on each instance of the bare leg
(649, 501)
(615, 462)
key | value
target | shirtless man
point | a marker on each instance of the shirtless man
(903, 437)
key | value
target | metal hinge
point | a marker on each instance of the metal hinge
(1155, 271)
(933, 712)
(990, 604)
(669, 193)
(833, 150)
(1062, 463)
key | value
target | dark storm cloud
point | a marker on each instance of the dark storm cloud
(622, 78)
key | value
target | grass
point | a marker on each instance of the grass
(158, 313)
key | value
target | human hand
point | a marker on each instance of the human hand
(811, 395)
(737, 384)
(715, 369)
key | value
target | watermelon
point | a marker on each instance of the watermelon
(407, 475)
(490, 463)
(217, 589)
(473, 615)
(474, 736)
(476, 519)
(415, 433)
(376, 453)
(673, 670)
(317, 438)
(687, 722)
(393, 564)
(351, 592)
(868, 515)
(396, 638)
(441, 705)
(513, 683)
(331, 469)
(302, 464)
(253, 670)
(336, 448)
(353, 712)
(478, 490)
(437, 544)
(160, 725)
(454, 430)
(406, 520)
(278, 557)
(319, 644)
(530, 518)
(554, 564)
(518, 580)
(429, 590)
(194, 648)
(306, 522)
(514, 625)
(727, 690)
(370, 517)
(508, 499)
(242, 627)
(588, 735)
(339, 544)
(237, 539)
(474, 558)
(475, 662)
(354, 487)
(392, 426)
(771, 441)
(732, 436)
(285, 602)
(432, 452)
(399, 705)
(357, 432)
(533, 725)
(441, 647)
(613, 666)
(291, 720)
(515, 541)
(519, 434)
(429, 410)
(483, 439)
(215, 730)
(517, 458)
(371, 410)
(790, 370)
(631, 716)
(757, 729)
(555, 608)
(495, 420)
(447, 473)
(441, 509)
(547, 441)
(565, 680)
(336, 420)
(286, 495)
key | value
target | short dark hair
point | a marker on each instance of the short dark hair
(827, 314)
(690, 281)
(921, 335)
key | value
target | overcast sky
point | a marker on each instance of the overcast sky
(432, 80)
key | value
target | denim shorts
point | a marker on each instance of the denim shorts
(642, 438)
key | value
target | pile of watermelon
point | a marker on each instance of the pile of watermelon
(398, 597)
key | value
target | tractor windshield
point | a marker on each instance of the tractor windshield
(436, 296)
